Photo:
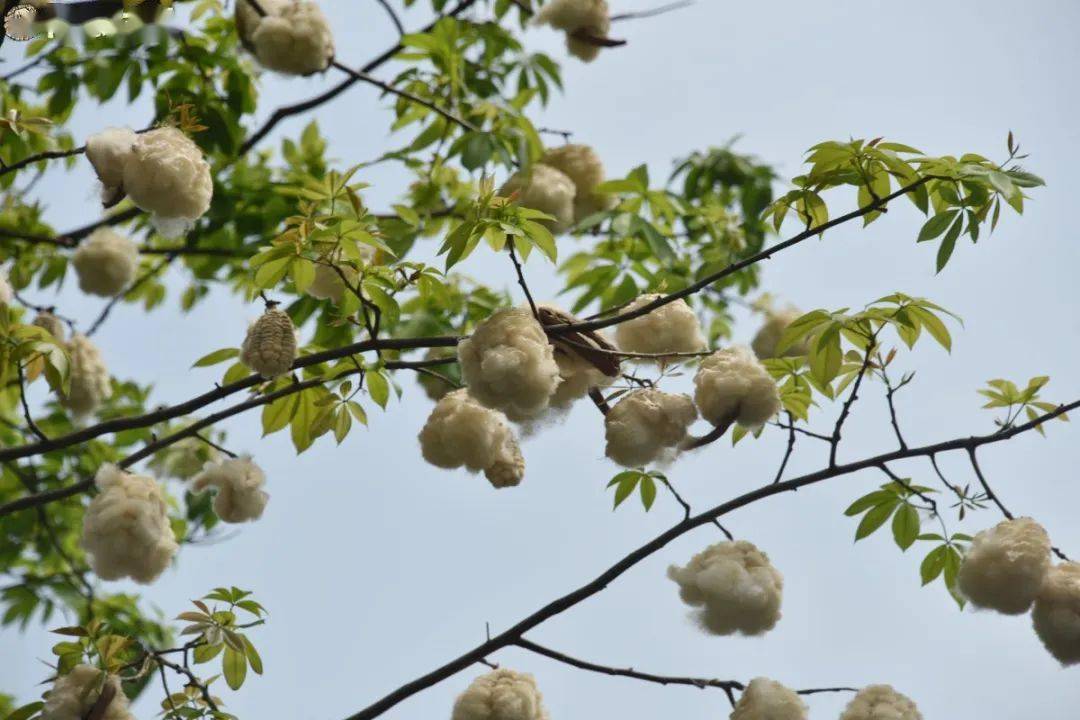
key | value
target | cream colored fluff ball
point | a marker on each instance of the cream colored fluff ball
(105, 263)
(461, 432)
(570, 16)
(576, 377)
(1056, 613)
(7, 293)
(269, 347)
(294, 38)
(108, 151)
(248, 18)
(126, 530)
(732, 385)
(880, 702)
(646, 425)
(583, 166)
(238, 482)
(167, 175)
(546, 189)
(768, 337)
(501, 695)
(51, 323)
(670, 328)
(509, 365)
(89, 378)
(735, 587)
(1005, 566)
(766, 699)
(72, 696)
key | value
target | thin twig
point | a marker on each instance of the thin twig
(521, 276)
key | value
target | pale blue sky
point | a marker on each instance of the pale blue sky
(376, 567)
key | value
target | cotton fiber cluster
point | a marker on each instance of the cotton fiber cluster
(768, 337)
(328, 284)
(501, 695)
(105, 263)
(126, 531)
(766, 699)
(72, 696)
(880, 702)
(89, 378)
(735, 587)
(647, 425)
(1056, 612)
(509, 365)
(1005, 566)
(51, 323)
(542, 187)
(732, 385)
(294, 38)
(108, 151)
(7, 294)
(238, 482)
(461, 432)
(590, 17)
(578, 356)
(576, 377)
(670, 328)
(270, 345)
(583, 166)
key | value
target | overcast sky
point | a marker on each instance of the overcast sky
(377, 568)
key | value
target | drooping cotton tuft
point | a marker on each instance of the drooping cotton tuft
(1056, 613)
(126, 531)
(461, 432)
(294, 38)
(7, 294)
(89, 378)
(880, 702)
(270, 345)
(328, 284)
(735, 587)
(509, 365)
(1005, 566)
(239, 482)
(108, 151)
(576, 377)
(166, 175)
(248, 18)
(583, 166)
(767, 338)
(52, 324)
(74, 695)
(647, 425)
(105, 263)
(588, 16)
(766, 699)
(732, 385)
(501, 695)
(670, 328)
(546, 189)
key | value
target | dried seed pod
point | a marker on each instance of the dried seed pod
(270, 345)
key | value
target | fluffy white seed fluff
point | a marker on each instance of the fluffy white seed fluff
(647, 425)
(126, 530)
(239, 482)
(733, 385)
(509, 365)
(461, 432)
(247, 18)
(72, 696)
(766, 699)
(270, 345)
(767, 338)
(51, 323)
(671, 328)
(880, 702)
(328, 284)
(167, 175)
(583, 166)
(501, 695)
(570, 16)
(546, 189)
(105, 262)
(576, 377)
(108, 151)
(294, 38)
(1005, 566)
(7, 294)
(1056, 613)
(89, 378)
(735, 587)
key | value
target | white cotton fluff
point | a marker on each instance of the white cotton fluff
(461, 432)
(89, 378)
(501, 695)
(576, 377)
(1005, 566)
(239, 482)
(126, 530)
(328, 285)
(1056, 613)
(570, 16)
(647, 425)
(583, 166)
(546, 189)
(765, 699)
(167, 175)
(767, 338)
(248, 18)
(735, 587)
(105, 263)
(7, 294)
(294, 38)
(269, 347)
(108, 151)
(670, 328)
(509, 365)
(732, 385)
(72, 696)
(880, 702)
(51, 323)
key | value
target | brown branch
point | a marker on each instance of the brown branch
(653, 12)
(845, 410)
(387, 87)
(521, 276)
(789, 450)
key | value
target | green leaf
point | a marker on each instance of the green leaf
(648, 492)
(937, 225)
(234, 666)
(905, 526)
(875, 518)
(252, 656)
(279, 413)
(948, 244)
(933, 564)
(205, 653)
(378, 388)
(217, 356)
(26, 711)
